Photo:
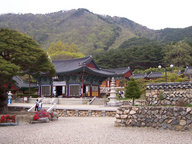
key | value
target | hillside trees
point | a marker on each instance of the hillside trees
(179, 54)
(60, 51)
(136, 57)
(19, 55)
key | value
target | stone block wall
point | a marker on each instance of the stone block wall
(168, 93)
(85, 113)
(172, 118)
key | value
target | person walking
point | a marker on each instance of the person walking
(37, 105)
(40, 105)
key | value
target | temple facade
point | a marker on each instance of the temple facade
(77, 78)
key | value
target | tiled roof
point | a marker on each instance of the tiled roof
(71, 65)
(188, 70)
(119, 71)
(139, 76)
(22, 84)
(159, 74)
(169, 85)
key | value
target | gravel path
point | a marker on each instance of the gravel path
(89, 130)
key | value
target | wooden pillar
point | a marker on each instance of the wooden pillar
(106, 83)
(67, 90)
(40, 90)
(90, 90)
(29, 85)
(99, 94)
(82, 84)
(51, 91)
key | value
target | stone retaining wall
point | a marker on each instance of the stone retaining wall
(172, 118)
(169, 93)
(85, 113)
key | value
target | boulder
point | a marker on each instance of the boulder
(43, 120)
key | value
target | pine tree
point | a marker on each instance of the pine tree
(19, 54)
(132, 90)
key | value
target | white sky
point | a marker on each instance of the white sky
(154, 14)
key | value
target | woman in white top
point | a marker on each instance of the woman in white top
(40, 105)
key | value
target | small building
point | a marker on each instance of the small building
(139, 76)
(22, 86)
(156, 75)
(122, 73)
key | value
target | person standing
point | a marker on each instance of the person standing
(40, 105)
(37, 105)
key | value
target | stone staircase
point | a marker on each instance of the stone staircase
(99, 101)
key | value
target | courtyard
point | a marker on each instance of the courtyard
(89, 130)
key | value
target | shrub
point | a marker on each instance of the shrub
(7, 118)
(161, 95)
(41, 114)
(36, 117)
(181, 102)
(52, 115)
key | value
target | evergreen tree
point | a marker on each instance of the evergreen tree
(19, 54)
(132, 90)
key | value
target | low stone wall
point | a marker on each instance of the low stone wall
(172, 118)
(85, 113)
(169, 93)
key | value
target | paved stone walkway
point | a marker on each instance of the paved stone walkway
(79, 107)
(89, 130)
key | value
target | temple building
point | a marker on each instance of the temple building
(78, 78)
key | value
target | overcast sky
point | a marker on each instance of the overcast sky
(154, 14)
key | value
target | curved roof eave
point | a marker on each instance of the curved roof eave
(90, 70)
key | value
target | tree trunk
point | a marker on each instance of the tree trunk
(133, 101)
(3, 100)
(3, 93)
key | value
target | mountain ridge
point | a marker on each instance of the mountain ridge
(89, 31)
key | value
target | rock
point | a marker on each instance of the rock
(119, 112)
(154, 103)
(186, 127)
(128, 122)
(126, 111)
(179, 127)
(135, 108)
(164, 125)
(118, 120)
(132, 112)
(161, 120)
(169, 121)
(117, 116)
(175, 122)
(188, 110)
(156, 120)
(188, 116)
(138, 124)
(182, 122)
(164, 117)
(123, 116)
(189, 122)
(43, 120)
(55, 115)
(143, 124)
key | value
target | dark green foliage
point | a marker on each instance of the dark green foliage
(132, 90)
(20, 54)
(136, 57)
(172, 34)
(136, 42)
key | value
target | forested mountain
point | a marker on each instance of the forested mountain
(92, 33)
